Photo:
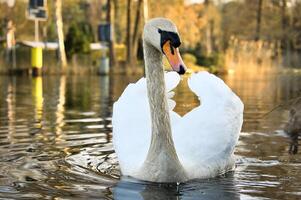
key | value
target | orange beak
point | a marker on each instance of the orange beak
(174, 58)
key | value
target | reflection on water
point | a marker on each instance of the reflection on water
(215, 189)
(37, 94)
(56, 140)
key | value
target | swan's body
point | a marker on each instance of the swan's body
(154, 143)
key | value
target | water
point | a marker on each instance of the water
(56, 141)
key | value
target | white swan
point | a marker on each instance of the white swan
(152, 142)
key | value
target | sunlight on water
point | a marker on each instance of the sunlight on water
(56, 140)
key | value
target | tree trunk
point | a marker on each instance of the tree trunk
(60, 33)
(128, 33)
(137, 32)
(258, 20)
(284, 25)
(110, 20)
(285, 42)
(95, 9)
(209, 29)
(145, 10)
(117, 29)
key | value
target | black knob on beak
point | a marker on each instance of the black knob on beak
(182, 69)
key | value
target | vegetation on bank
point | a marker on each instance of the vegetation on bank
(211, 32)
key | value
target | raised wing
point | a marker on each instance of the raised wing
(205, 138)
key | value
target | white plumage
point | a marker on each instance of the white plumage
(204, 138)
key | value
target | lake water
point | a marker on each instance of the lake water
(56, 140)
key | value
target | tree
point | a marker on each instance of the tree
(209, 28)
(137, 31)
(78, 38)
(258, 20)
(133, 35)
(296, 27)
(145, 10)
(189, 19)
(111, 42)
(284, 23)
(128, 33)
(94, 14)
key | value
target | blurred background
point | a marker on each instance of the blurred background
(216, 34)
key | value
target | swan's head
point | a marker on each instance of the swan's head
(162, 34)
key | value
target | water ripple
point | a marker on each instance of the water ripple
(56, 143)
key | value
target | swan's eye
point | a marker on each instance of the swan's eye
(169, 36)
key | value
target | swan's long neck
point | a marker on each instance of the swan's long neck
(161, 128)
(162, 163)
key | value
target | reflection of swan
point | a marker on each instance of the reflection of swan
(154, 143)
(213, 189)
(293, 127)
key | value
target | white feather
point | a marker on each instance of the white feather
(204, 138)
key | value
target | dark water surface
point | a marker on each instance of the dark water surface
(56, 141)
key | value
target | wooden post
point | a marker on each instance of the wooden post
(36, 60)
(36, 53)
(36, 30)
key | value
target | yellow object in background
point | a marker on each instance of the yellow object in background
(120, 52)
(37, 57)
(37, 94)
